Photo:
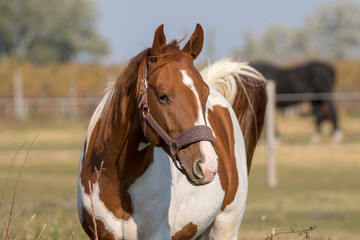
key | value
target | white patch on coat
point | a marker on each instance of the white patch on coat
(111, 223)
(201, 204)
(97, 114)
(228, 221)
(79, 200)
(151, 195)
(142, 146)
(196, 204)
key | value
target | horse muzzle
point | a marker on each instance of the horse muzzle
(199, 162)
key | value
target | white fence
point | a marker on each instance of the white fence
(270, 134)
(270, 119)
(74, 108)
(348, 96)
(65, 108)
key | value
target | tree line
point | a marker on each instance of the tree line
(52, 30)
(58, 31)
(331, 32)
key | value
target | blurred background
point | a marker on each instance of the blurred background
(56, 58)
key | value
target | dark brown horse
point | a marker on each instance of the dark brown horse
(315, 78)
(165, 156)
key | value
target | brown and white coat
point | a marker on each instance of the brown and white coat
(140, 194)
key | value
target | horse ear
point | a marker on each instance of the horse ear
(195, 44)
(159, 42)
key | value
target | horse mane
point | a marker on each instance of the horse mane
(245, 89)
(122, 97)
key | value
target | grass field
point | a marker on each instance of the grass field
(318, 184)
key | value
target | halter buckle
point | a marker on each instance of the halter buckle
(145, 86)
(174, 148)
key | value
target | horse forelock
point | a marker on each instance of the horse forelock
(170, 53)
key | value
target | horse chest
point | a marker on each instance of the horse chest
(195, 205)
(165, 202)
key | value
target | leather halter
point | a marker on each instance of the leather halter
(187, 137)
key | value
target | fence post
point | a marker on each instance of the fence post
(73, 101)
(20, 110)
(270, 134)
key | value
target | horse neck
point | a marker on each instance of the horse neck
(136, 154)
(127, 154)
(113, 170)
(120, 160)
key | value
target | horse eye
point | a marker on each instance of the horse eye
(162, 98)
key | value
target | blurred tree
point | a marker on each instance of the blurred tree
(278, 42)
(334, 30)
(51, 30)
(331, 32)
(252, 49)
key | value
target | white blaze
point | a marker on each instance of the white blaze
(209, 167)
(190, 83)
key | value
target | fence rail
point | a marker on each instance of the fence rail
(53, 101)
(65, 108)
(338, 96)
(75, 107)
(71, 107)
(270, 119)
(281, 97)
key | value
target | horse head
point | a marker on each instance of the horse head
(173, 106)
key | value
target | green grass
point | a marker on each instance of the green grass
(318, 184)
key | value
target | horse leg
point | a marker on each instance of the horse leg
(319, 117)
(224, 229)
(337, 134)
(227, 223)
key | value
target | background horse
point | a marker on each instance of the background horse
(312, 77)
(164, 155)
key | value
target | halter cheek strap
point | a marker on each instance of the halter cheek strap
(187, 137)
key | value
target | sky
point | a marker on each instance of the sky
(129, 26)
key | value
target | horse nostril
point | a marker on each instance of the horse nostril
(197, 169)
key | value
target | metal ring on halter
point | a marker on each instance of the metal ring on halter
(174, 148)
(145, 111)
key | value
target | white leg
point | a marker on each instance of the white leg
(337, 136)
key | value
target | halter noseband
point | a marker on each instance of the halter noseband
(187, 137)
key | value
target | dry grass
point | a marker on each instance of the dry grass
(10, 215)
(318, 184)
(47, 186)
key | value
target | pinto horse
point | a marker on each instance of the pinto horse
(312, 77)
(164, 156)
